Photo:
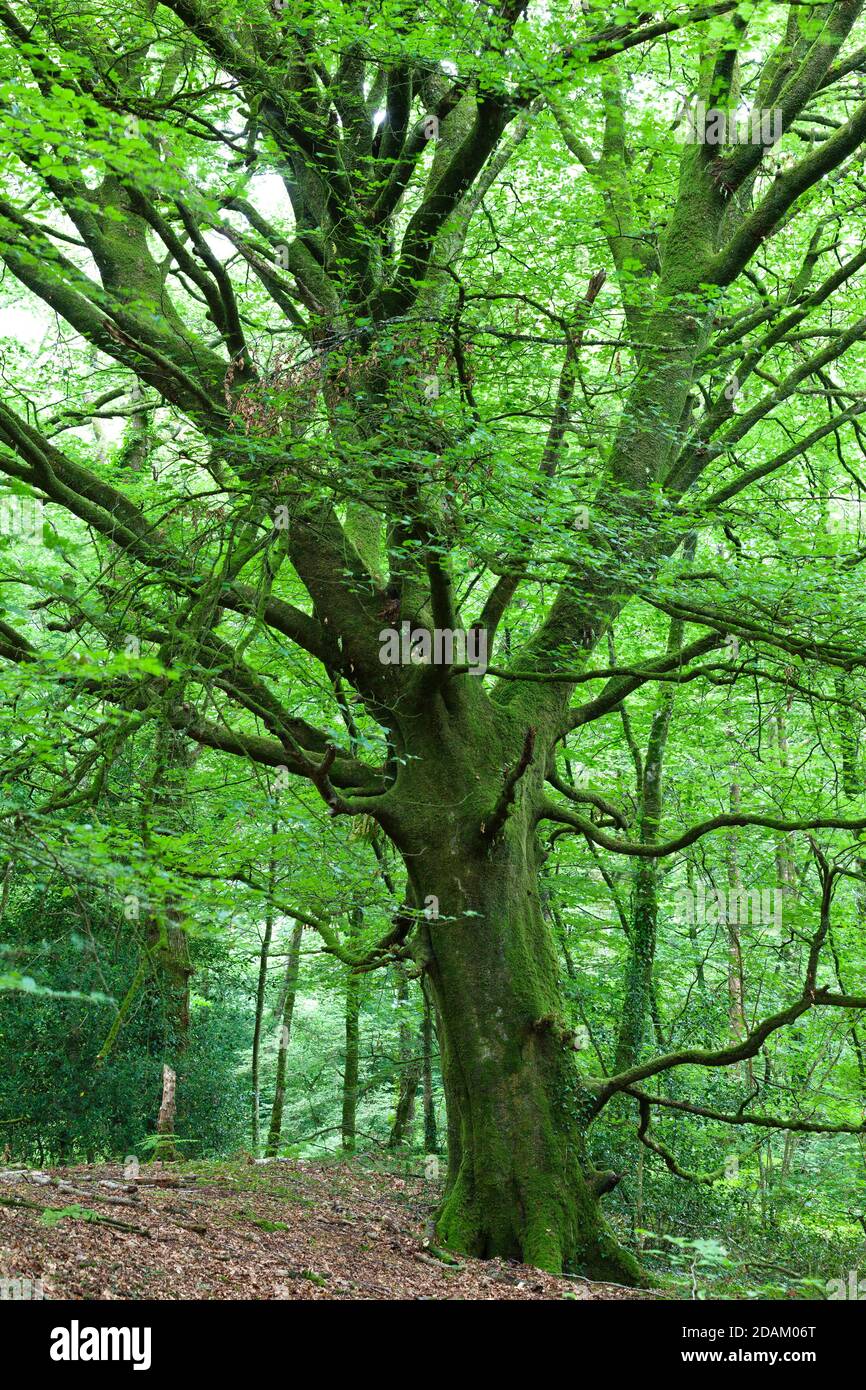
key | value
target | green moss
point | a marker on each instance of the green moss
(518, 1112)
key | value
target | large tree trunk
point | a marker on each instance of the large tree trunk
(519, 1180)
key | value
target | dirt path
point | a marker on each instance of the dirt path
(285, 1229)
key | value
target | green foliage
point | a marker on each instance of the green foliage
(235, 259)
(73, 1109)
(52, 1216)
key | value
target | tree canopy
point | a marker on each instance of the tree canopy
(431, 458)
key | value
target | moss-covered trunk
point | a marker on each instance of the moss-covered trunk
(519, 1180)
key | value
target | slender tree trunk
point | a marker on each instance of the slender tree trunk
(257, 1026)
(431, 1142)
(169, 948)
(410, 1063)
(350, 1064)
(290, 990)
(638, 1218)
(401, 1130)
(786, 869)
(166, 1120)
(694, 939)
(737, 1024)
(261, 988)
(520, 1183)
(849, 735)
(639, 995)
(165, 932)
(736, 1001)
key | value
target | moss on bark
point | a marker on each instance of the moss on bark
(519, 1177)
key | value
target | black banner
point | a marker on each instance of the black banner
(83, 1340)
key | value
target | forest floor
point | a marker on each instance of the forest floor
(285, 1229)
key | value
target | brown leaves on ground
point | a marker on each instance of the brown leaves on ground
(279, 1230)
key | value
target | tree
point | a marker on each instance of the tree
(290, 990)
(361, 521)
(410, 1066)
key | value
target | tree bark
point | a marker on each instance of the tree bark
(261, 987)
(639, 1000)
(167, 1110)
(401, 1130)
(519, 1182)
(165, 932)
(290, 993)
(409, 1074)
(736, 1000)
(169, 946)
(350, 1064)
(431, 1141)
